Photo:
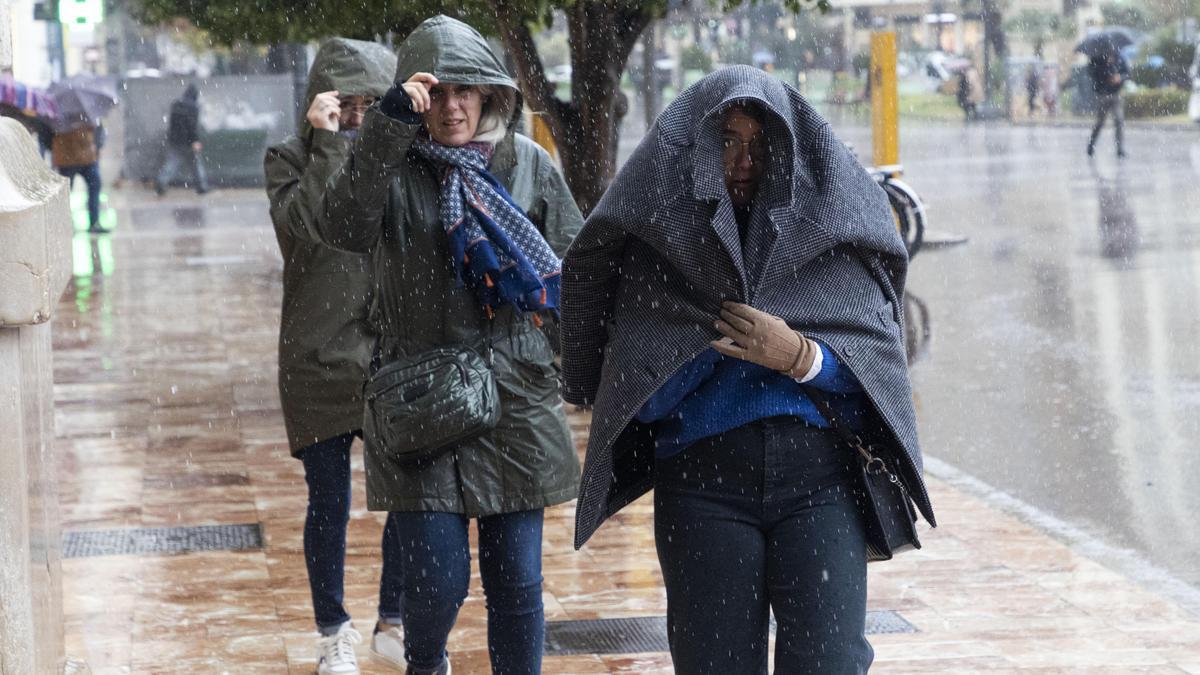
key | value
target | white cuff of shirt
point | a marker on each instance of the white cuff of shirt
(818, 362)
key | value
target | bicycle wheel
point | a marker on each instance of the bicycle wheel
(908, 213)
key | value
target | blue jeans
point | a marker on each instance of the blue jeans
(327, 472)
(177, 156)
(91, 176)
(763, 517)
(438, 560)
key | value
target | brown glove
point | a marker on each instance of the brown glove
(766, 340)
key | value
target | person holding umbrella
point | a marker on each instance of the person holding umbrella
(183, 143)
(1108, 70)
(82, 102)
(76, 152)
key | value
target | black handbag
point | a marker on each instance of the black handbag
(891, 519)
(421, 406)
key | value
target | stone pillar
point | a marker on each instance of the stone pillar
(35, 251)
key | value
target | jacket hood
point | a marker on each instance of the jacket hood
(352, 68)
(455, 53)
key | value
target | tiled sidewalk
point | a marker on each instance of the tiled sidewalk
(168, 416)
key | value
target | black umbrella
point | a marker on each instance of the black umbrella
(1108, 40)
(82, 100)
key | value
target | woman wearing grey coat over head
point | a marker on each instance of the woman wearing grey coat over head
(742, 266)
(437, 186)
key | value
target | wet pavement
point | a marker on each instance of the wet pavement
(1063, 367)
(1056, 389)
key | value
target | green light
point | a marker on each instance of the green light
(80, 12)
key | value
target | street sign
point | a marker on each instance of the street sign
(80, 13)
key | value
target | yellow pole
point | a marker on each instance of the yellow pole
(885, 100)
(541, 134)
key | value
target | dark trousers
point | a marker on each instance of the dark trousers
(327, 472)
(763, 518)
(177, 156)
(91, 176)
(438, 559)
(1107, 104)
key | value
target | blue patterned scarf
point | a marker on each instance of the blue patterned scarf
(497, 251)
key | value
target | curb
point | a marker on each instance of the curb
(1129, 124)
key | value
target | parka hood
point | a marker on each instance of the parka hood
(352, 68)
(455, 53)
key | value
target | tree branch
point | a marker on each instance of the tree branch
(531, 72)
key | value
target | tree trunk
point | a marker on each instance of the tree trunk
(587, 129)
(993, 38)
(649, 77)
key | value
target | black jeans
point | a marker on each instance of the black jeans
(763, 517)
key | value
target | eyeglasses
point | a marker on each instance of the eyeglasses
(360, 107)
(732, 148)
(461, 93)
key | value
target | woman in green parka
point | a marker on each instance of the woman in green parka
(437, 185)
(325, 342)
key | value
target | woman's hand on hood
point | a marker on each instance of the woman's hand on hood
(417, 87)
(325, 111)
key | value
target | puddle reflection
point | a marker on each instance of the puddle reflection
(1120, 237)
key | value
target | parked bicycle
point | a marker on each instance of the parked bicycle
(907, 207)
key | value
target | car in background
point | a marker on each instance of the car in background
(943, 67)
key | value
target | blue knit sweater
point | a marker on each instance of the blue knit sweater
(713, 394)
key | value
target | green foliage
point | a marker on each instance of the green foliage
(1177, 57)
(1145, 75)
(273, 21)
(693, 57)
(1156, 102)
(1126, 14)
(1039, 26)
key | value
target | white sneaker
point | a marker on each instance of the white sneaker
(335, 653)
(388, 645)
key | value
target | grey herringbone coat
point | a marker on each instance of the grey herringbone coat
(643, 281)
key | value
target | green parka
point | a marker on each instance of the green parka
(324, 339)
(384, 202)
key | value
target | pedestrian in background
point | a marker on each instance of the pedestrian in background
(1033, 85)
(465, 220)
(969, 93)
(1108, 70)
(183, 143)
(76, 152)
(741, 272)
(325, 343)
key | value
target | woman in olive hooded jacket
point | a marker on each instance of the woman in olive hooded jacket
(446, 128)
(325, 341)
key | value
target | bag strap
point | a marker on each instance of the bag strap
(872, 462)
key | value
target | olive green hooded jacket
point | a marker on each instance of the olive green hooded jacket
(384, 202)
(324, 339)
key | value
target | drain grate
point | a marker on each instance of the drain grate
(88, 543)
(886, 621)
(607, 636)
(649, 633)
